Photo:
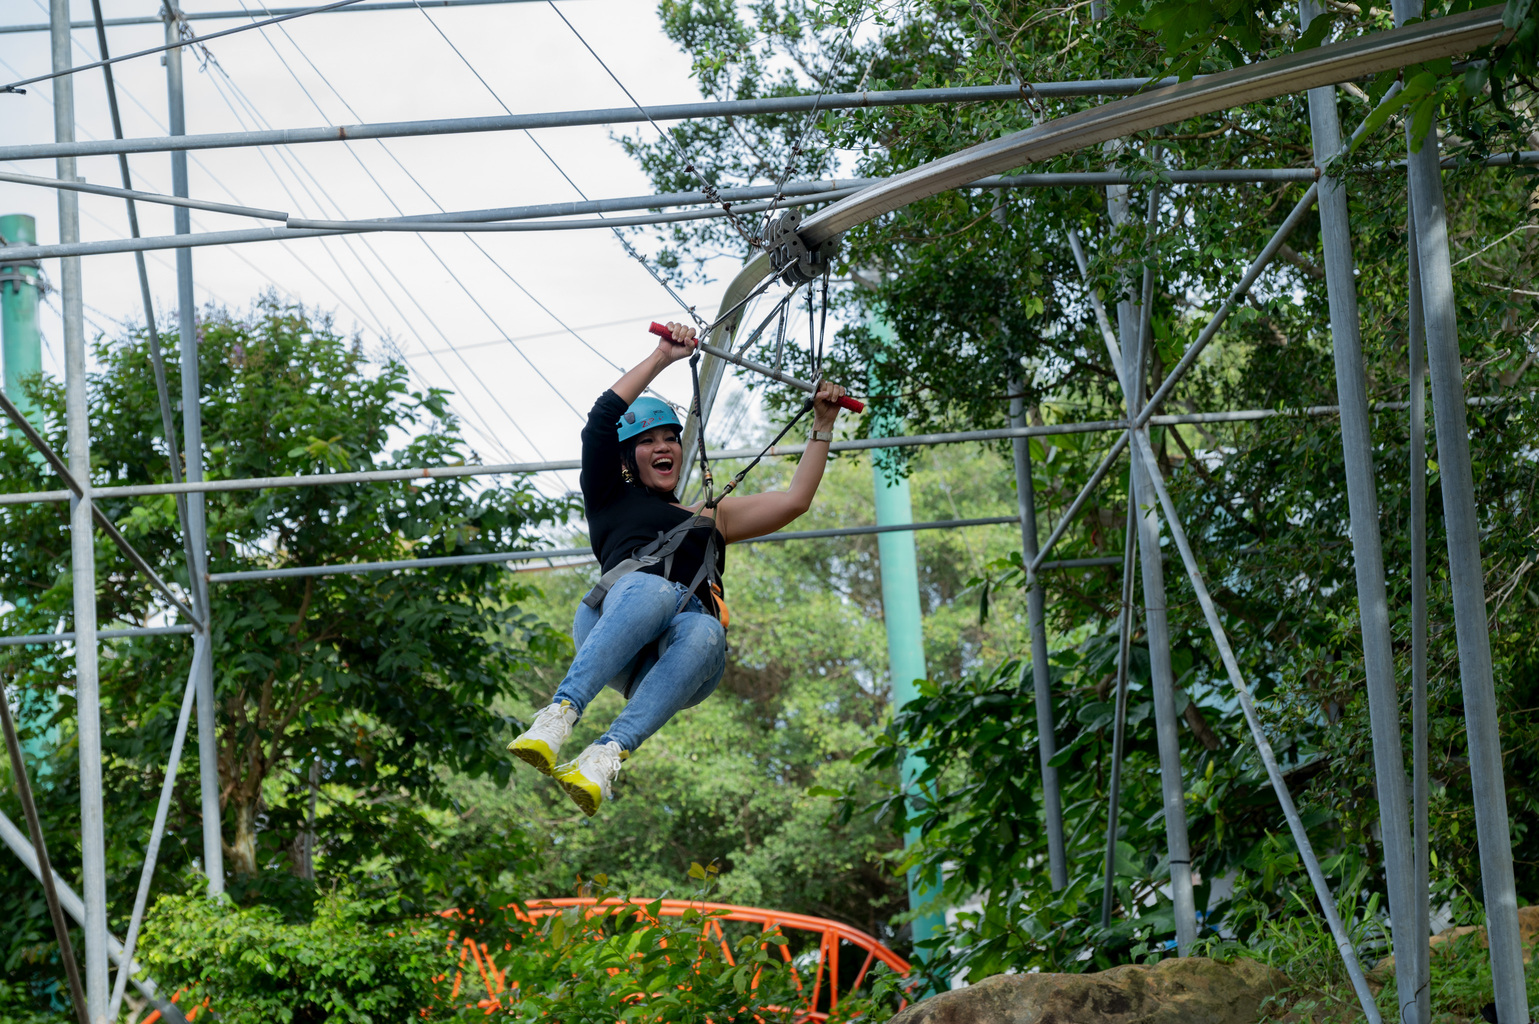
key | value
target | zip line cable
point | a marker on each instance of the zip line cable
(801, 140)
(236, 251)
(388, 198)
(625, 242)
(15, 87)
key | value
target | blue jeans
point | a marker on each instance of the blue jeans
(661, 661)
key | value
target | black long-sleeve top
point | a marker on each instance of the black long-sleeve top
(623, 517)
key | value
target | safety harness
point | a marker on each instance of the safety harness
(667, 543)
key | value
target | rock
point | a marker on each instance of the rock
(1528, 933)
(1193, 990)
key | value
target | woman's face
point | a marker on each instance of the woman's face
(659, 455)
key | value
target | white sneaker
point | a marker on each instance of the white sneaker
(587, 780)
(540, 745)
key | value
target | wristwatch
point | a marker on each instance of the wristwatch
(820, 435)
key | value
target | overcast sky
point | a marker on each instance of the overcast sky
(458, 314)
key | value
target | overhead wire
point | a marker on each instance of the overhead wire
(219, 181)
(559, 170)
(709, 188)
(811, 119)
(301, 173)
(625, 242)
(384, 192)
(196, 40)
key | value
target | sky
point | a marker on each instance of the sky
(486, 315)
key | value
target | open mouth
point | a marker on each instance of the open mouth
(663, 465)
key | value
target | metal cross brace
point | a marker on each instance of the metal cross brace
(108, 527)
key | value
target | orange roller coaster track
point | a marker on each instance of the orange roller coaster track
(820, 997)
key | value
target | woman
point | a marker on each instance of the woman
(654, 627)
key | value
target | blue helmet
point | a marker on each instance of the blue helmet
(644, 414)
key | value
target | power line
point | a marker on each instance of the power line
(475, 242)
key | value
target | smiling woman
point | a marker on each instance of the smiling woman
(654, 628)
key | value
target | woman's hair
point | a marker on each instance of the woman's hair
(632, 468)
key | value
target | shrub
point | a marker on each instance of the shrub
(349, 962)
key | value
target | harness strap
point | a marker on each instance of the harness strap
(660, 550)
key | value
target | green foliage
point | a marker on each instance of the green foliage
(353, 961)
(346, 703)
(1460, 975)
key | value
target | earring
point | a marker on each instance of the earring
(626, 475)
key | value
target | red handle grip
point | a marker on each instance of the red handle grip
(844, 403)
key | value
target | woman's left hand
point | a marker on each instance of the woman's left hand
(825, 405)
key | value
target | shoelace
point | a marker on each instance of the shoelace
(605, 757)
(552, 714)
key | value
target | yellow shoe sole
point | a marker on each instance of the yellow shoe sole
(535, 753)
(584, 793)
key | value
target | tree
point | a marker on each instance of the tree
(344, 701)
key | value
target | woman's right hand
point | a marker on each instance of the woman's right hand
(680, 346)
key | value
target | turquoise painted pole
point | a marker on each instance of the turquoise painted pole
(21, 356)
(21, 343)
(900, 609)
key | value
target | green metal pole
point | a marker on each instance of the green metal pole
(900, 609)
(21, 343)
(21, 356)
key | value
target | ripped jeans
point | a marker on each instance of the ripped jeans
(661, 661)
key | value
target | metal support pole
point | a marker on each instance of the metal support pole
(40, 849)
(1145, 453)
(1363, 505)
(1156, 622)
(157, 361)
(1047, 741)
(1119, 710)
(1418, 960)
(93, 840)
(192, 432)
(1466, 573)
(905, 633)
(19, 290)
